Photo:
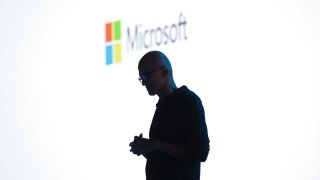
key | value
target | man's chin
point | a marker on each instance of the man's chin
(151, 92)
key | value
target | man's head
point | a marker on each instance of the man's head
(155, 73)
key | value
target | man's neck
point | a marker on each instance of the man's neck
(166, 91)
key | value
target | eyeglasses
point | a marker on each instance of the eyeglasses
(145, 77)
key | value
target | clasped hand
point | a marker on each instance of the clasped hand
(141, 145)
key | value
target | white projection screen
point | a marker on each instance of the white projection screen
(65, 114)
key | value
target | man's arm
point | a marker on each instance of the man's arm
(197, 143)
(175, 150)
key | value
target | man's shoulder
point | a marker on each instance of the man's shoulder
(185, 93)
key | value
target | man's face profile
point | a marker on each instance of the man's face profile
(150, 75)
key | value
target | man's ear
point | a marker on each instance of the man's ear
(165, 73)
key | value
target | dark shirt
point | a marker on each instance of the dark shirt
(179, 119)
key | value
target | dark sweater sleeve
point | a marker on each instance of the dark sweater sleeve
(197, 140)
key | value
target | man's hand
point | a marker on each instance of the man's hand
(141, 145)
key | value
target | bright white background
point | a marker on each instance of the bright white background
(65, 115)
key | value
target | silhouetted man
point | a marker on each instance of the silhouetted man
(178, 134)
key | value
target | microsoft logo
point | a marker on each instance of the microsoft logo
(142, 36)
(113, 43)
